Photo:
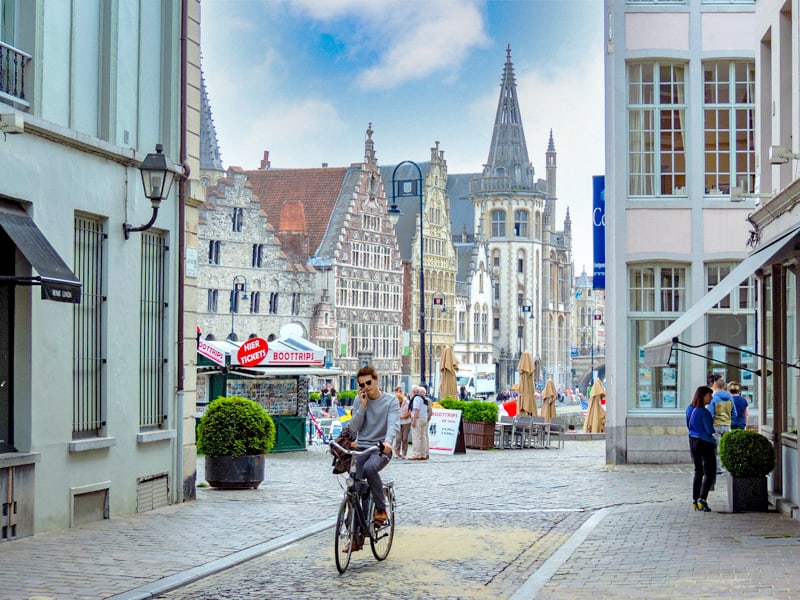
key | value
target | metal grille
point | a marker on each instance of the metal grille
(13, 63)
(88, 334)
(151, 345)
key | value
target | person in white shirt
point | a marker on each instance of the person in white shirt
(420, 405)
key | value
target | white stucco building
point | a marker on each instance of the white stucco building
(680, 136)
(96, 406)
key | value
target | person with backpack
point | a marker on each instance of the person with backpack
(420, 407)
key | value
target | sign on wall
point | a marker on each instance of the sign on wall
(599, 231)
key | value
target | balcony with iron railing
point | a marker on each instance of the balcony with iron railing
(13, 67)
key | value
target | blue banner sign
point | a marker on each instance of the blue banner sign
(599, 231)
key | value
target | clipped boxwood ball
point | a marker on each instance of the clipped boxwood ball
(234, 426)
(746, 453)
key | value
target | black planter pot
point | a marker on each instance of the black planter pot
(240, 473)
(748, 494)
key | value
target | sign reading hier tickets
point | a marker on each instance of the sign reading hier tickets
(443, 431)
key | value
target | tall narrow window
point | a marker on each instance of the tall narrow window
(213, 252)
(656, 126)
(152, 347)
(729, 126)
(521, 223)
(273, 303)
(213, 297)
(498, 223)
(255, 303)
(88, 352)
(295, 303)
(238, 216)
(258, 255)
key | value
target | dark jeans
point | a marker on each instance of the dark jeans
(369, 466)
(704, 455)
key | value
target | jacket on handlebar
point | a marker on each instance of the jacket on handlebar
(377, 423)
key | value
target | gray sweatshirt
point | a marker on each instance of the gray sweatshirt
(378, 422)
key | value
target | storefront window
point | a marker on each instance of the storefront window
(731, 323)
(791, 351)
(653, 387)
(768, 348)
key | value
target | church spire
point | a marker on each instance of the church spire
(508, 154)
(210, 159)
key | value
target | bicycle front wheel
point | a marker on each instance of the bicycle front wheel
(381, 536)
(345, 535)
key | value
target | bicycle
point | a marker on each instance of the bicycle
(356, 513)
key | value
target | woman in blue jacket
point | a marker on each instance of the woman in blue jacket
(703, 447)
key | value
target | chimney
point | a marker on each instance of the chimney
(324, 165)
(265, 161)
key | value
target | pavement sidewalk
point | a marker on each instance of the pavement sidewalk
(631, 531)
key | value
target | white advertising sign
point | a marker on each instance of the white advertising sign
(443, 431)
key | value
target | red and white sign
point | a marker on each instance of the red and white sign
(210, 352)
(443, 431)
(253, 352)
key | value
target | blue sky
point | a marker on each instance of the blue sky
(303, 78)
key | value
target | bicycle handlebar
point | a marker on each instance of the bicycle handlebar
(369, 450)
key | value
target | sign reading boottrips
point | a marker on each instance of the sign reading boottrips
(253, 352)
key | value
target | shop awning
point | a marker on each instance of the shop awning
(657, 351)
(56, 278)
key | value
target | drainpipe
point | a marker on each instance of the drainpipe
(182, 190)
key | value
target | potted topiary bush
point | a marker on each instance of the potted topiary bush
(235, 434)
(749, 457)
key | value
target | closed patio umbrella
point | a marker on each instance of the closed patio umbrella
(549, 400)
(527, 399)
(596, 415)
(448, 388)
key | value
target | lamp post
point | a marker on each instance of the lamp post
(597, 315)
(411, 188)
(436, 300)
(239, 285)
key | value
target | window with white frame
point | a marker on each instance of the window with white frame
(657, 297)
(729, 125)
(521, 223)
(498, 223)
(656, 129)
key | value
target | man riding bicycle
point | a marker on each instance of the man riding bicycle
(376, 420)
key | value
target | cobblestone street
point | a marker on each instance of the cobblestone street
(493, 524)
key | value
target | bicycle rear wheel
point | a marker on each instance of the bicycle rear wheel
(345, 535)
(380, 537)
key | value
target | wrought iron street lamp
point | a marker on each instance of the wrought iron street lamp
(239, 285)
(158, 173)
(412, 188)
(597, 315)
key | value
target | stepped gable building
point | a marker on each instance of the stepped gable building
(243, 248)
(530, 259)
(334, 221)
(439, 264)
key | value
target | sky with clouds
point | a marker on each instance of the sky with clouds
(303, 79)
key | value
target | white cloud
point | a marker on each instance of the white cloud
(410, 40)
(294, 133)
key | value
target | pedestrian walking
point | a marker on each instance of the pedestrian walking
(741, 404)
(419, 424)
(703, 447)
(401, 442)
(722, 409)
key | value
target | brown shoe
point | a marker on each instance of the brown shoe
(353, 546)
(380, 517)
